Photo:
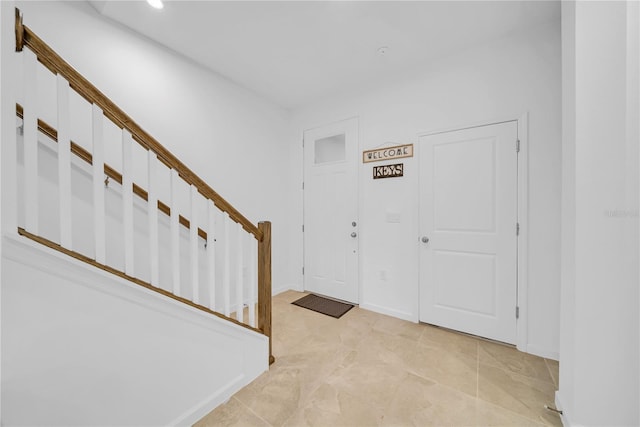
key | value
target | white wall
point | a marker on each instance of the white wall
(600, 339)
(7, 131)
(519, 74)
(568, 226)
(233, 139)
(83, 347)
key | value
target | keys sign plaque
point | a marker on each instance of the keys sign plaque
(388, 171)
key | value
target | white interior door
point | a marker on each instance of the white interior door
(331, 210)
(468, 220)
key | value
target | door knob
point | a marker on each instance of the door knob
(354, 234)
(425, 239)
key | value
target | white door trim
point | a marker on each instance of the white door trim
(358, 185)
(523, 238)
(523, 217)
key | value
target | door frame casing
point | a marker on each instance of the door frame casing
(522, 255)
(356, 120)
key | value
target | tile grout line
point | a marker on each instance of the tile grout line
(371, 328)
(486, 402)
(497, 363)
(313, 390)
(251, 411)
(539, 420)
(549, 370)
(477, 370)
(441, 384)
(518, 414)
(509, 373)
(554, 380)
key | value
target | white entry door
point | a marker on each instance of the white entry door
(468, 221)
(331, 210)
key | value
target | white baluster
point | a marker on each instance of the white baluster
(9, 150)
(193, 240)
(240, 276)
(152, 211)
(211, 253)
(127, 202)
(30, 123)
(64, 162)
(252, 264)
(226, 273)
(98, 184)
(175, 231)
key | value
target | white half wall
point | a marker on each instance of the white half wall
(82, 347)
(505, 79)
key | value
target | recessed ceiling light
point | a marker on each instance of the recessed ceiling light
(156, 4)
(383, 50)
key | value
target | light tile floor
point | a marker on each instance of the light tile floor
(367, 369)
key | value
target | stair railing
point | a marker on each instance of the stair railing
(223, 227)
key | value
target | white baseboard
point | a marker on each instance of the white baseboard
(284, 288)
(389, 312)
(197, 412)
(566, 421)
(547, 354)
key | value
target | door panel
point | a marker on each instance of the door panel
(468, 211)
(330, 208)
(454, 270)
(464, 201)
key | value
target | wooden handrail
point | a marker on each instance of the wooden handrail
(112, 173)
(50, 59)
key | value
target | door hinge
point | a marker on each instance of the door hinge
(517, 312)
(303, 270)
(517, 145)
(303, 228)
(303, 185)
(517, 228)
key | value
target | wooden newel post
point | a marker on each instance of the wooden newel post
(19, 31)
(264, 283)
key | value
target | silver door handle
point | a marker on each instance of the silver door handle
(354, 234)
(425, 239)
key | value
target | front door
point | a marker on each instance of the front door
(468, 221)
(331, 210)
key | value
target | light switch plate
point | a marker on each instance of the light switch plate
(393, 217)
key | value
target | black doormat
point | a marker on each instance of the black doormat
(323, 305)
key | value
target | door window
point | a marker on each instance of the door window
(330, 149)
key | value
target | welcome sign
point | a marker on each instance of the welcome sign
(387, 153)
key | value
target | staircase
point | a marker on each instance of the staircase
(138, 295)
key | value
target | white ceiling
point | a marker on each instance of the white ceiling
(294, 52)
